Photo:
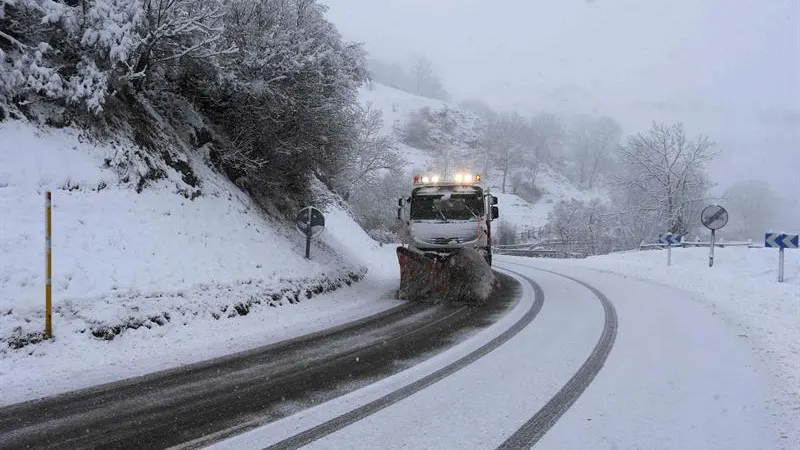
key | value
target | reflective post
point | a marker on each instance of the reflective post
(48, 278)
(780, 265)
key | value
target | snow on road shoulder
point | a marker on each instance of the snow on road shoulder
(75, 361)
(173, 274)
(742, 289)
(350, 239)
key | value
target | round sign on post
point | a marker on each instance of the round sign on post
(315, 219)
(713, 217)
(311, 223)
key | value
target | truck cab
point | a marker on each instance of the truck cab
(443, 215)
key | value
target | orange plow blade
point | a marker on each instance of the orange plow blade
(461, 276)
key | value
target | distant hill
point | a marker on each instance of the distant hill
(434, 136)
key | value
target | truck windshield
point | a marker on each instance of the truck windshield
(446, 207)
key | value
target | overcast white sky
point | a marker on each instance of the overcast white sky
(727, 68)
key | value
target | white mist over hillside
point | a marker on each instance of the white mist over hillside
(727, 70)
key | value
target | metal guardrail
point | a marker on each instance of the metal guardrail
(539, 253)
(686, 244)
(544, 249)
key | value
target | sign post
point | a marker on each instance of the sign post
(670, 239)
(713, 217)
(308, 234)
(711, 251)
(781, 241)
(310, 222)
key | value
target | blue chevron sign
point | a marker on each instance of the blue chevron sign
(670, 239)
(780, 240)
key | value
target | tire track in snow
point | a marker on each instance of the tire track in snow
(544, 419)
(339, 422)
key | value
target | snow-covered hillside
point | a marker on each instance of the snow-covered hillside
(176, 262)
(524, 216)
(454, 130)
(458, 139)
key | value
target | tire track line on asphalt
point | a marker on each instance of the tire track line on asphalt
(544, 419)
(326, 428)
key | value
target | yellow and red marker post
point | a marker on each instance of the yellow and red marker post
(48, 286)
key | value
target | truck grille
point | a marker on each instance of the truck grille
(445, 241)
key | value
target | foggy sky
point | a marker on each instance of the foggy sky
(726, 68)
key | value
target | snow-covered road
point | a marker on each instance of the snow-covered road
(676, 377)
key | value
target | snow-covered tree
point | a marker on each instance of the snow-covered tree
(27, 66)
(579, 227)
(479, 108)
(109, 39)
(374, 205)
(506, 141)
(372, 156)
(274, 78)
(591, 143)
(173, 30)
(546, 134)
(664, 179)
(288, 95)
(543, 137)
(416, 131)
(426, 81)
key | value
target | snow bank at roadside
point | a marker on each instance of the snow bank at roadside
(742, 289)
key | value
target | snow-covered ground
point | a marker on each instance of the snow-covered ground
(395, 104)
(742, 290)
(145, 281)
(679, 375)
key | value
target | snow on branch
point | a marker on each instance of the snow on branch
(665, 173)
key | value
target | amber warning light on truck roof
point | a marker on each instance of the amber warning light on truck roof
(458, 178)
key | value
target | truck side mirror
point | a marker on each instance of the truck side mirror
(399, 213)
(495, 212)
(494, 200)
(400, 202)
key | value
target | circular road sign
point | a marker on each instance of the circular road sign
(714, 217)
(317, 221)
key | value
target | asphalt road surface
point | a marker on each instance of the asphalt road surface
(254, 387)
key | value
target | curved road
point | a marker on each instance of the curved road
(541, 365)
(250, 388)
(573, 370)
(580, 324)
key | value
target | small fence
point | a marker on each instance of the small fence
(558, 249)
(685, 244)
(541, 249)
(537, 253)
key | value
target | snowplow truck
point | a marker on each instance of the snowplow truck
(446, 234)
